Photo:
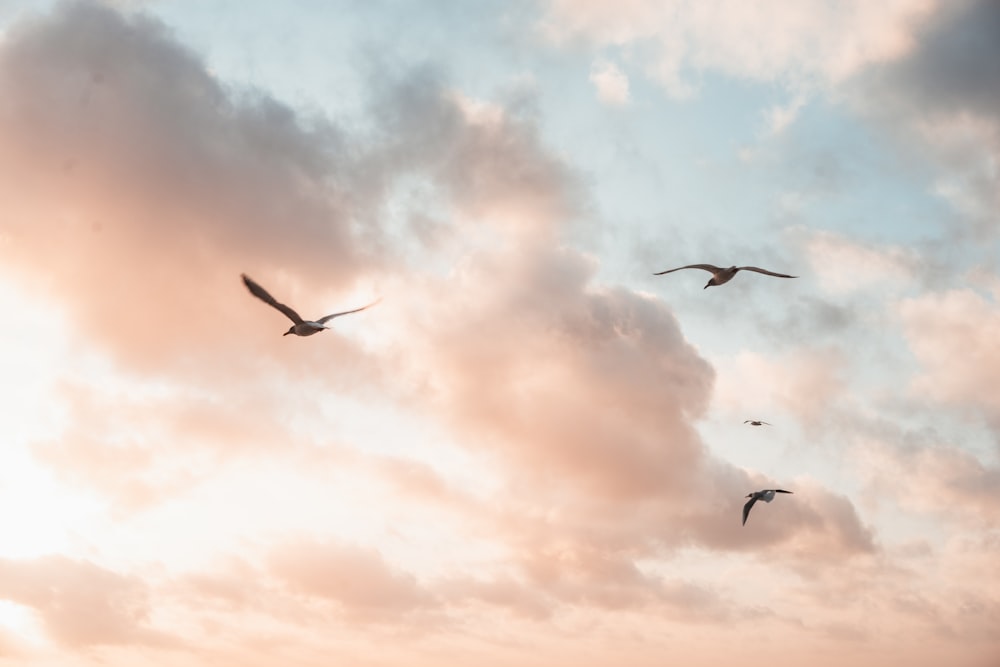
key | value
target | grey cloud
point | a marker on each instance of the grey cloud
(954, 67)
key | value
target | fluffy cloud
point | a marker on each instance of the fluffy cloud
(81, 604)
(789, 40)
(944, 94)
(805, 382)
(843, 265)
(144, 187)
(358, 579)
(611, 83)
(953, 335)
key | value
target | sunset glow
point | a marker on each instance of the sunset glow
(532, 451)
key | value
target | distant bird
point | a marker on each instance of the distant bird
(720, 275)
(767, 495)
(301, 327)
(756, 422)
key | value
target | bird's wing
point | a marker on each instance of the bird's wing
(767, 423)
(747, 421)
(746, 509)
(706, 267)
(262, 294)
(324, 320)
(781, 491)
(765, 271)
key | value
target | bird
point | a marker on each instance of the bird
(720, 275)
(300, 327)
(767, 495)
(756, 422)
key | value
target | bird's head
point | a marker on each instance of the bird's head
(749, 495)
(291, 330)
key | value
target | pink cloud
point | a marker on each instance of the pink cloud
(358, 579)
(82, 604)
(582, 398)
(953, 335)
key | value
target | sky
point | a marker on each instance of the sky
(532, 451)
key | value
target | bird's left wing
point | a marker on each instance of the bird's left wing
(707, 267)
(262, 294)
(746, 509)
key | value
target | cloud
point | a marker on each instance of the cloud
(358, 579)
(942, 97)
(777, 118)
(82, 604)
(942, 478)
(844, 266)
(805, 382)
(948, 70)
(953, 334)
(611, 83)
(145, 186)
(789, 41)
(612, 484)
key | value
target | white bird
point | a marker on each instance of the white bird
(756, 422)
(767, 495)
(720, 275)
(300, 327)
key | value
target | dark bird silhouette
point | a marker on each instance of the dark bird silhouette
(300, 327)
(767, 495)
(757, 422)
(720, 275)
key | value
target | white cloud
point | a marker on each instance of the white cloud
(611, 83)
(843, 265)
(779, 40)
(779, 117)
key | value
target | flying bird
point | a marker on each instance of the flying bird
(767, 495)
(756, 422)
(720, 275)
(300, 327)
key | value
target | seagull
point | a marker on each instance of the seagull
(720, 275)
(300, 327)
(756, 422)
(767, 495)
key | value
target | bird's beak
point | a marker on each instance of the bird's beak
(286, 333)
(705, 287)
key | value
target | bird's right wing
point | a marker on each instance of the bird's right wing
(327, 318)
(706, 267)
(765, 271)
(746, 509)
(262, 294)
(781, 491)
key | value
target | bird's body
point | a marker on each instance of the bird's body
(306, 328)
(721, 275)
(756, 422)
(767, 495)
(300, 327)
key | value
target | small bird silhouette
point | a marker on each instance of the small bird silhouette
(720, 275)
(756, 422)
(300, 327)
(767, 495)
